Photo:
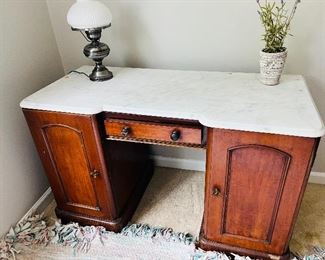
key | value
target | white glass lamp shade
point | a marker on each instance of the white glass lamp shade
(88, 14)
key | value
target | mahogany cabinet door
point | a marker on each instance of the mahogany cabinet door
(254, 187)
(69, 147)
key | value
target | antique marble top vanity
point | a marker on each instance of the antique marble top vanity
(260, 141)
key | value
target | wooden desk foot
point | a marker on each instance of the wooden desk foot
(209, 245)
(67, 217)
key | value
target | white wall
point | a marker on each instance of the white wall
(29, 60)
(221, 35)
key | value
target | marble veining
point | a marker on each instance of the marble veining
(217, 99)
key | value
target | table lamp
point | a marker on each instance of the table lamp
(90, 17)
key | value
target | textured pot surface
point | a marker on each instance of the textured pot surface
(271, 67)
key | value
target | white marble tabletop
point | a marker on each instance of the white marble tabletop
(217, 99)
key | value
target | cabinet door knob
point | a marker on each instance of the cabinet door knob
(216, 192)
(125, 131)
(175, 135)
(94, 174)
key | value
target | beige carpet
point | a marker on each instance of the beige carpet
(310, 226)
(174, 199)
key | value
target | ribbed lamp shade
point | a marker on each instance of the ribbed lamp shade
(88, 14)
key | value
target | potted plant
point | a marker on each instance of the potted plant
(276, 20)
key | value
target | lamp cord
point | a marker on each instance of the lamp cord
(79, 72)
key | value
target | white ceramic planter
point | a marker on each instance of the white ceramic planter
(271, 67)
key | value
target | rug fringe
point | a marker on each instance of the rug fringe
(166, 234)
(31, 230)
(200, 254)
(318, 253)
(35, 230)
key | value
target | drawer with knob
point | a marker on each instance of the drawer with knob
(153, 132)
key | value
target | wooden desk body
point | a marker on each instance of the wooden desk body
(99, 166)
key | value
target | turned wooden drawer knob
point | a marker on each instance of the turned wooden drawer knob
(175, 135)
(94, 174)
(125, 131)
(216, 192)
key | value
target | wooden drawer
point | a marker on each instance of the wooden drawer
(152, 132)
